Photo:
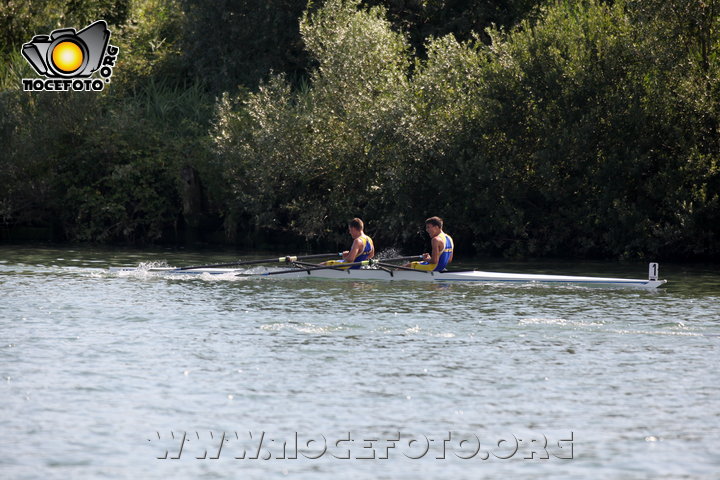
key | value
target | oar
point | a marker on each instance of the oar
(372, 262)
(308, 267)
(286, 259)
(398, 259)
(388, 265)
(383, 263)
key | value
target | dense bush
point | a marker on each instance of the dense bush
(101, 167)
(306, 159)
(584, 128)
(574, 134)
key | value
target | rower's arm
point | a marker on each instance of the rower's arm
(437, 248)
(354, 251)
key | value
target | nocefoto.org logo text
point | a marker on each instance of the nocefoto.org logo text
(67, 59)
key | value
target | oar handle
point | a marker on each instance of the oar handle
(292, 258)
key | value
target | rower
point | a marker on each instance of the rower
(362, 247)
(441, 245)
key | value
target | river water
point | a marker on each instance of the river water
(140, 376)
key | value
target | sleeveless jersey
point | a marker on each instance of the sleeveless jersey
(365, 251)
(446, 253)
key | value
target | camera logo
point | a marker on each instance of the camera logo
(68, 58)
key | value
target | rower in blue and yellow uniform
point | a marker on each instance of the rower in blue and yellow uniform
(362, 247)
(442, 248)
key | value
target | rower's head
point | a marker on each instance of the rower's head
(356, 227)
(434, 226)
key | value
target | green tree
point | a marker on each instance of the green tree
(303, 160)
(103, 167)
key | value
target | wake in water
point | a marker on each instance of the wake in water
(146, 266)
(388, 253)
(162, 270)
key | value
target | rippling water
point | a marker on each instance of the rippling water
(104, 373)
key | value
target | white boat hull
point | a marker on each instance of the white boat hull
(419, 276)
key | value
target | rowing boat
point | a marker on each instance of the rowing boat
(370, 273)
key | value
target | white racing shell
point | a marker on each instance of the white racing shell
(419, 276)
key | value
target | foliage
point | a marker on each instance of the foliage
(518, 143)
(233, 43)
(463, 19)
(294, 156)
(588, 128)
